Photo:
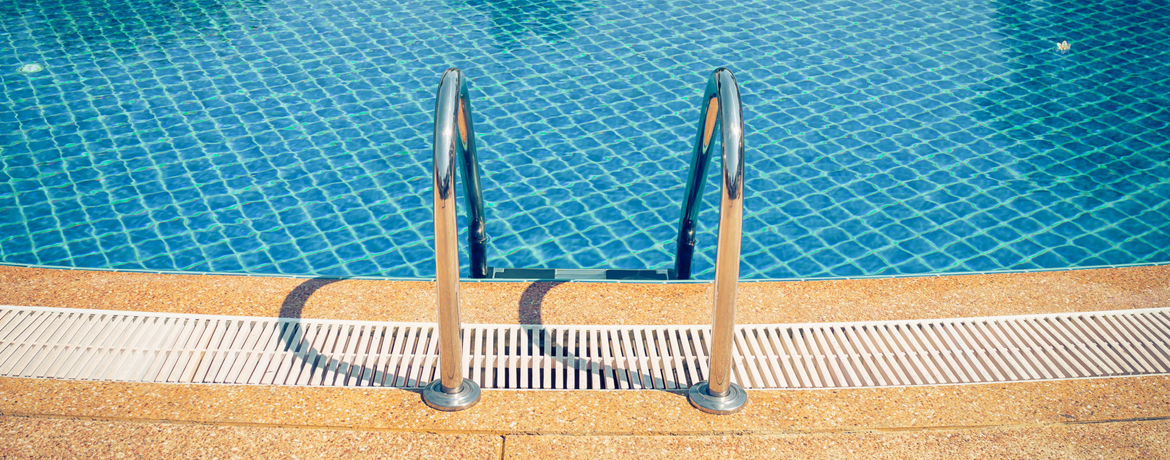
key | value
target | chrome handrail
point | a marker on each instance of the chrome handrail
(453, 109)
(720, 112)
(454, 142)
(722, 95)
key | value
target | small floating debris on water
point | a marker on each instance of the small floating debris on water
(31, 68)
(1063, 47)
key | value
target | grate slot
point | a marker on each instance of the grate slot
(947, 363)
(22, 334)
(58, 345)
(904, 370)
(1069, 328)
(1023, 368)
(44, 343)
(1147, 340)
(879, 370)
(1159, 332)
(775, 364)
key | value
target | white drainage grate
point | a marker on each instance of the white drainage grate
(159, 347)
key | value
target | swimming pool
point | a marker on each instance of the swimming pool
(291, 136)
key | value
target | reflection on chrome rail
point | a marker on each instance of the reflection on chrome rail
(720, 113)
(454, 143)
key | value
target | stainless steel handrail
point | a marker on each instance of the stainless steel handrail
(720, 112)
(454, 143)
(454, 107)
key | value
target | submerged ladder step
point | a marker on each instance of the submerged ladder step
(568, 274)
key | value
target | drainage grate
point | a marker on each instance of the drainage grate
(158, 347)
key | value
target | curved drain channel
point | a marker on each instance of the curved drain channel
(40, 342)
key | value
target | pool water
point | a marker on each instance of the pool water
(293, 136)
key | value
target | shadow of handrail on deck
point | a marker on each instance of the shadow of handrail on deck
(530, 309)
(294, 302)
(300, 352)
(532, 301)
(294, 342)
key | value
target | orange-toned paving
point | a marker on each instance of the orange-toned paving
(1125, 417)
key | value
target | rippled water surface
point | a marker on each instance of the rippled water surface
(289, 136)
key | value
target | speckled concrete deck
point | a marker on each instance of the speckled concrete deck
(1127, 440)
(1070, 419)
(1119, 418)
(22, 437)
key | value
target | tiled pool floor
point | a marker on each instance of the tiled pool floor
(293, 136)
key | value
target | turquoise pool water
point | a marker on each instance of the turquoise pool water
(290, 136)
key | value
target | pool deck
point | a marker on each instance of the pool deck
(1089, 418)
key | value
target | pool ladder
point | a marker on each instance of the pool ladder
(720, 113)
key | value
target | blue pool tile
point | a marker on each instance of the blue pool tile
(293, 266)
(121, 256)
(979, 137)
